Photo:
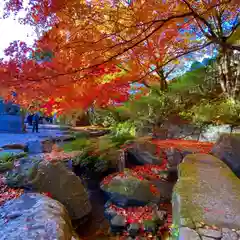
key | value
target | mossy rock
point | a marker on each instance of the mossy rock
(129, 189)
(21, 175)
(207, 191)
(7, 158)
(6, 166)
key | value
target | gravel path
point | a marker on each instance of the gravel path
(45, 131)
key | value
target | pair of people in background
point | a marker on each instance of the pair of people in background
(33, 120)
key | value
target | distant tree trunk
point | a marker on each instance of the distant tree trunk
(229, 73)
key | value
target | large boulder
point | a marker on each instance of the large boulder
(52, 177)
(156, 151)
(141, 153)
(206, 198)
(34, 216)
(227, 148)
(127, 189)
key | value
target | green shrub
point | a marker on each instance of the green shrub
(221, 111)
(122, 132)
(91, 162)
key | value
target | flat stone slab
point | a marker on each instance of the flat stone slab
(207, 192)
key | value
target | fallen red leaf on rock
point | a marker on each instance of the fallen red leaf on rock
(7, 193)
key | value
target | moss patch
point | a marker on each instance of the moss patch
(186, 188)
(209, 192)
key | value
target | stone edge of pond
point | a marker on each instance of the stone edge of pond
(188, 217)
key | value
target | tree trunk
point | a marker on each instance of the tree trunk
(163, 81)
(229, 73)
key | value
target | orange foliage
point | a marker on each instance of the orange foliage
(88, 39)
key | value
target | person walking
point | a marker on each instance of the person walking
(35, 122)
(29, 119)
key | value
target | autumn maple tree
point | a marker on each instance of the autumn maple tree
(82, 41)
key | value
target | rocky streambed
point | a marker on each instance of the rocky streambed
(134, 203)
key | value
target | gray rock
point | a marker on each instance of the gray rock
(54, 178)
(23, 173)
(34, 216)
(182, 131)
(8, 157)
(188, 234)
(228, 234)
(227, 149)
(165, 188)
(129, 190)
(141, 157)
(64, 186)
(143, 152)
(174, 157)
(34, 147)
(202, 177)
(210, 233)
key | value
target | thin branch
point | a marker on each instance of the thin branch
(236, 25)
(174, 58)
(201, 18)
